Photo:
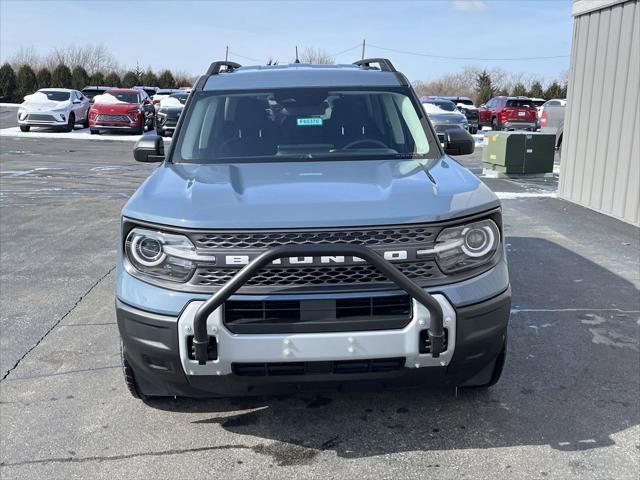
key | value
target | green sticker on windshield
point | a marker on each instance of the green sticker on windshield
(313, 121)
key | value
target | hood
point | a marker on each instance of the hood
(118, 108)
(38, 102)
(308, 194)
(446, 117)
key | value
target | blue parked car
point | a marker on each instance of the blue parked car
(306, 225)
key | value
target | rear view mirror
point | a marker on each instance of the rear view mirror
(458, 142)
(149, 149)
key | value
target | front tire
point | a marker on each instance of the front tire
(129, 377)
(71, 123)
(25, 128)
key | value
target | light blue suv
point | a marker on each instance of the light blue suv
(307, 225)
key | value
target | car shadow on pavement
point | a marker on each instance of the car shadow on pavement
(570, 381)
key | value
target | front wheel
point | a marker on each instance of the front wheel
(70, 123)
(25, 128)
(129, 378)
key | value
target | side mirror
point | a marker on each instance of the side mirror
(458, 142)
(149, 149)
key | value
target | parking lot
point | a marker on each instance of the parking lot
(566, 406)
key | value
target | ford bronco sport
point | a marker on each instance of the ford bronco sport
(307, 226)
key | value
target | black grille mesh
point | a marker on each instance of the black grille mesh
(260, 240)
(315, 276)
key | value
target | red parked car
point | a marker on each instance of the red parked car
(508, 113)
(121, 109)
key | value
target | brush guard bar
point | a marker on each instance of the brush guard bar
(201, 337)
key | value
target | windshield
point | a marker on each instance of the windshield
(521, 102)
(55, 96)
(303, 123)
(126, 97)
(447, 105)
(181, 97)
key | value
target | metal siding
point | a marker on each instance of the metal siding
(600, 149)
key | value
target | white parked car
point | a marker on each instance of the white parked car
(54, 107)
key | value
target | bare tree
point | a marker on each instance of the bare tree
(26, 56)
(316, 56)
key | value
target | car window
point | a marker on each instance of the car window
(126, 97)
(55, 96)
(303, 123)
(181, 97)
(519, 102)
(446, 105)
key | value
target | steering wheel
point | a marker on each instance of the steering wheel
(365, 140)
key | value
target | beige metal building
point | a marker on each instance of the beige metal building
(600, 166)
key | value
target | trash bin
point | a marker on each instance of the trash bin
(519, 152)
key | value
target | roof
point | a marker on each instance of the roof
(580, 7)
(68, 90)
(302, 75)
(124, 90)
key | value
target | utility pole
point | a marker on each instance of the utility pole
(226, 54)
(363, 47)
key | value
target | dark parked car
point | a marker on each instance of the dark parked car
(169, 112)
(91, 91)
(509, 113)
(465, 106)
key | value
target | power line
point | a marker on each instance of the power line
(345, 51)
(242, 56)
(464, 58)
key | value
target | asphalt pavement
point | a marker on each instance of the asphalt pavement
(567, 405)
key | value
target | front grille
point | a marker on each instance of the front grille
(37, 117)
(363, 274)
(263, 240)
(318, 315)
(112, 118)
(277, 369)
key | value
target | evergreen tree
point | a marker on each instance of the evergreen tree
(149, 78)
(484, 88)
(26, 82)
(7, 83)
(166, 80)
(97, 78)
(564, 91)
(519, 90)
(61, 77)
(80, 78)
(554, 91)
(536, 90)
(43, 77)
(112, 80)
(129, 79)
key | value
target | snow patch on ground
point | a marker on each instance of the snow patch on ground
(14, 105)
(518, 195)
(78, 134)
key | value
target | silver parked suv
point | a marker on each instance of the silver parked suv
(307, 225)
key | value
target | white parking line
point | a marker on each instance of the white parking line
(79, 134)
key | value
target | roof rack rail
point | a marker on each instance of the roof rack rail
(384, 64)
(216, 67)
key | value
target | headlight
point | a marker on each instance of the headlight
(22, 114)
(162, 112)
(467, 246)
(161, 255)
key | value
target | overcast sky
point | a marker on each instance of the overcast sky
(189, 35)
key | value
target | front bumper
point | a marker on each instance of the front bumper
(156, 347)
(48, 119)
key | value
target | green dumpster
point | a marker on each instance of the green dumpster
(519, 152)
